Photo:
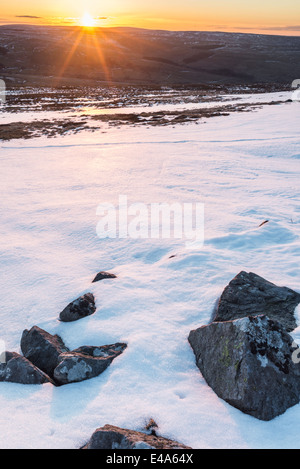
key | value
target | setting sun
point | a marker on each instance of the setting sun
(255, 16)
(87, 21)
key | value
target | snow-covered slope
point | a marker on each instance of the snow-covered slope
(245, 169)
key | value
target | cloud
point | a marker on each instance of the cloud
(29, 16)
(272, 28)
(285, 28)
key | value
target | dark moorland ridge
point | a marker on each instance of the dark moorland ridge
(41, 55)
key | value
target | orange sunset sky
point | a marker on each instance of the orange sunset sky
(263, 16)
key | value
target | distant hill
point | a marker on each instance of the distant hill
(71, 56)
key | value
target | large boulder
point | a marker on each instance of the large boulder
(42, 348)
(249, 363)
(17, 369)
(80, 308)
(85, 362)
(111, 437)
(249, 294)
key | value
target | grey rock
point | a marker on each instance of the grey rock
(79, 308)
(42, 348)
(249, 294)
(85, 362)
(250, 364)
(103, 276)
(111, 437)
(18, 369)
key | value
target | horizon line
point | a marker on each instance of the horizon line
(276, 31)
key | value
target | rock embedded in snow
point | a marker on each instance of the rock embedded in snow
(79, 308)
(249, 294)
(42, 348)
(103, 276)
(111, 437)
(249, 363)
(18, 369)
(85, 362)
(49, 353)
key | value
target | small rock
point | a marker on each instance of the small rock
(151, 427)
(110, 437)
(18, 369)
(249, 294)
(85, 362)
(42, 349)
(102, 276)
(79, 308)
(249, 363)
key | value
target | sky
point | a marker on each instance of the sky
(265, 16)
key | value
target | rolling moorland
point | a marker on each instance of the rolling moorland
(72, 56)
